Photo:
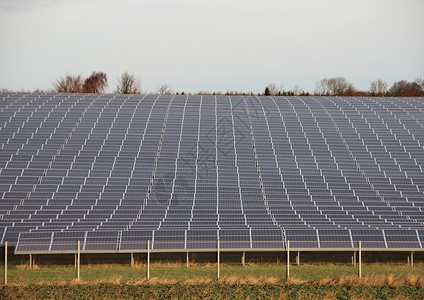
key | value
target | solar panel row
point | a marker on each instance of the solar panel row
(183, 171)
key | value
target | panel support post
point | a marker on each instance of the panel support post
(407, 260)
(354, 258)
(5, 263)
(78, 260)
(298, 258)
(132, 259)
(187, 260)
(75, 263)
(288, 259)
(412, 258)
(243, 259)
(218, 261)
(30, 261)
(360, 260)
(148, 260)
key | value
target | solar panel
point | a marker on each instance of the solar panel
(115, 171)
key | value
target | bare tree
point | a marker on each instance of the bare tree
(340, 86)
(378, 87)
(296, 90)
(128, 84)
(321, 87)
(40, 91)
(164, 90)
(351, 90)
(336, 86)
(204, 93)
(68, 84)
(404, 88)
(420, 82)
(272, 90)
(96, 83)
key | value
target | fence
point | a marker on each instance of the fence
(286, 252)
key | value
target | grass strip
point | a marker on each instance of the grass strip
(210, 291)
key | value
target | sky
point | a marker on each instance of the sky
(211, 45)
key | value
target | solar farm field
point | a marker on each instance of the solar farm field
(98, 174)
(117, 171)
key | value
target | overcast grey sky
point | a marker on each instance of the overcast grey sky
(212, 45)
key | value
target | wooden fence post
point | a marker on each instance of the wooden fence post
(288, 259)
(360, 260)
(5, 263)
(148, 260)
(412, 258)
(79, 260)
(218, 260)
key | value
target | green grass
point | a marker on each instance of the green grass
(210, 291)
(180, 273)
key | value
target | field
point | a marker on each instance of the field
(315, 281)
(179, 273)
(210, 291)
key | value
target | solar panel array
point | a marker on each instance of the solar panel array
(115, 171)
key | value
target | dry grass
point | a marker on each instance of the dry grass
(102, 266)
(344, 280)
(143, 264)
(26, 267)
(390, 279)
(247, 280)
(139, 264)
(177, 273)
(112, 281)
(199, 280)
(76, 282)
(293, 280)
(22, 267)
(156, 280)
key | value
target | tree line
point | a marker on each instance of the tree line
(97, 82)
(339, 86)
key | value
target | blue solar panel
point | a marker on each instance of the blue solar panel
(184, 171)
